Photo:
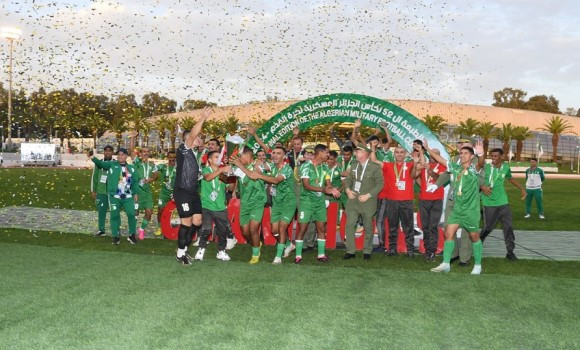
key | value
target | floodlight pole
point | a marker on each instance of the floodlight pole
(9, 141)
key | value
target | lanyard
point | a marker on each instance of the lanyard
(146, 170)
(362, 173)
(332, 173)
(169, 175)
(492, 178)
(460, 179)
(398, 174)
(318, 177)
(214, 180)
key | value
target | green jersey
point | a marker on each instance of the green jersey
(383, 156)
(167, 178)
(466, 188)
(343, 164)
(534, 178)
(316, 176)
(144, 169)
(495, 178)
(334, 176)
(99, 179)
(213, 193)
(283, 193)
(252, 192)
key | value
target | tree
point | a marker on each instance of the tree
(467, 127)
(520, 134)
(153, 104)
(509, 98)
(556, 125)
(571, 111)
(505, 135)
(162, 124)
(230, 125)
(543, 103)
(435, 123)
(118, 127)
(190, 105)
(187, 122)
(486, 130)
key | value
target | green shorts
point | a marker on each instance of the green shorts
(282, 212)
(145, 200)
(163, 200)
(252, 212)
(312, 211)
(469, 222)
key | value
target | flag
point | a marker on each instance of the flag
(539, 150)
(221, 156)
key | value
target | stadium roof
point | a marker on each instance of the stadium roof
(452, 112)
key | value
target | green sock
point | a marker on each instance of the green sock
(321, 246)
(448, 250)
(299, 245)
(477, 251)
(144, 223)
(255, 251)
(288, 242)
(279, 250)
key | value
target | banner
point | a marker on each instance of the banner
(37, 152)
(325, 109)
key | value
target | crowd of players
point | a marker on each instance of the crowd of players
(371, 179)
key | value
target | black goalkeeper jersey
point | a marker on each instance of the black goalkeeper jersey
(187, 171)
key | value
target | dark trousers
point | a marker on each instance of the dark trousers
(430, 212)
(491, 215)
(381, 218)
(400, 211)
(222, 227)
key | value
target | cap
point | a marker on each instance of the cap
(122, 150)
(363, 147)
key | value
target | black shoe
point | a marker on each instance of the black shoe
(367, 257)
(348, 256)
(189, 257)
(379, 249)
(132, 239)
(411, 255)
(463, 264)
(391, 252)
(430, 257)
(116, 240)
(511, 256)
(99, 234)
(183, 260)
(454, 260)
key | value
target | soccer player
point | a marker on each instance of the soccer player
(281, 179)
(534, 179)
(166, 174)
(315, 182)
(495, 200)
(334, 172)
(213, 202)
(465, 212)
(123, 189)
(430, 203)
(99, 191)
(146, 170)
(185, 191)
(398, 178)
(252, 200)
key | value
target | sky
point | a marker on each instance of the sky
(232, 52)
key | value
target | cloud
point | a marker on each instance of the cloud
(231, 52)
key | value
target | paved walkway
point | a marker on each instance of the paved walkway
(559, 245)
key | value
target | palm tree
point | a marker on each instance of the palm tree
(520, 134)
(505, 135)
(161, 124)
(467, 127)
(187, 122)
(486, 130)
(230, 125)
(556, 126)
(118, 127)
(435, 123)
